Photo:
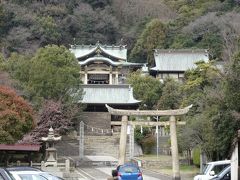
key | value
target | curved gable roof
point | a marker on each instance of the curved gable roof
(104, 59)
(118, 52)
(81, 51)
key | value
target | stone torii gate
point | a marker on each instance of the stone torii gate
(173, 132)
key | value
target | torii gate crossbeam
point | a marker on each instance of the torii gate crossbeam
(172, 122)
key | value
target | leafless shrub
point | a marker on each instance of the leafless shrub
(228, 25)
(133, 11)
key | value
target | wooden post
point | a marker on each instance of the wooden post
(123, 140)
(174, 148)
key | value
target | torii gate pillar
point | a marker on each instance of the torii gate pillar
(123, 140)
(174, 148)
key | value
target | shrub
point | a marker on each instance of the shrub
(148, 143)
(196, 156)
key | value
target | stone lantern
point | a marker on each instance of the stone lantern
(51, 151)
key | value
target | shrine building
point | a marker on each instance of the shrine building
(173, 63)
(103, 71)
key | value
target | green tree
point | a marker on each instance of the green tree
(145, 88)
(16, 116)
(171, 95)
(52, 73)
(233, 84)
(152, 37)
(98, 3)
(48, 29)
(5, 20)
(226, 122)
(196, 80)
(202, 88)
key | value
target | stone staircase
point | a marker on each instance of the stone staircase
(102, 145)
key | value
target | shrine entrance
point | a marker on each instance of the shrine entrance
(173, 133)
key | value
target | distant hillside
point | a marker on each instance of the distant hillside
(26, 25)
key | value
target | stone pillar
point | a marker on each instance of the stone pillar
(111, 75)
(131, 142)
(67, 165)
(116, 82)
(174, 148)
(85, 78)
(81, 140)
(123, 141)
(110, 78)
(42, 165)
(85, 75)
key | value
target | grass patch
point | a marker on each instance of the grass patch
(186, 171)
(187, 168)
(150, 157)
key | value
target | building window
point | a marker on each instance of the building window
(98, 79)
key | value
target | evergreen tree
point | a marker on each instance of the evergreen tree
(152, 37)
(145, 88)
(52, 73)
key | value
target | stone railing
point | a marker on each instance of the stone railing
(64, 165)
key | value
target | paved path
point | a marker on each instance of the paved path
(102, 173)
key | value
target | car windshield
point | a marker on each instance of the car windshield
(50, 177)
(206, 168)
(129, 169)
(31, 177)
(219, 168)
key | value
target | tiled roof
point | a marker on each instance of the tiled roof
(20, 147)
(108, 94)
(178, 60)
(114, 63)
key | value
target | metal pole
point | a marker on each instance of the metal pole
(157, 132)
(81, 140)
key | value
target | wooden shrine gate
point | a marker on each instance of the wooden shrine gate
(171, 123)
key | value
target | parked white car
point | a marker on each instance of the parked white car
(33, 175)
(212, 169)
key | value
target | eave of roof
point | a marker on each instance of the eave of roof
(108, 94)
(180, 51)
(20, 147)
(101, 58)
